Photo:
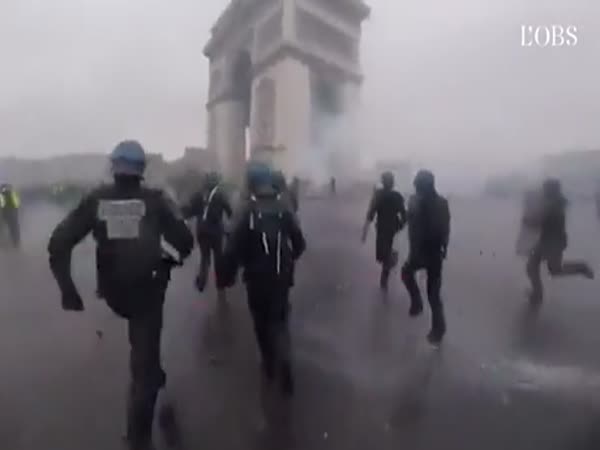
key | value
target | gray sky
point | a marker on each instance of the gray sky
(446, 81)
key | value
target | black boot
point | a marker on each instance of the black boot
(438, 326)
(287, 379)
(268, 370)
(169, 426)
(416, 308)
(140, 415)
(383, 279)
(536, 297)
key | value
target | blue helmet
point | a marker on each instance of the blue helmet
(259, 175)
(128, 158)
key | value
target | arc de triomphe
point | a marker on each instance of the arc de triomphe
(272, 62)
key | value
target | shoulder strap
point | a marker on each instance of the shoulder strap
(208, 201)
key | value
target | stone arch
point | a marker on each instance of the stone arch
(241, 82)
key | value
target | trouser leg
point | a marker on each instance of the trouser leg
(384, 243)
(205, 256)
(147, 375)
(533, 273)
(14, 229)
(559, 268)
(409, 271)
(259, 313)
(434, 285)
(217, 250)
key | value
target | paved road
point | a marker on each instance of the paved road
(504, 379)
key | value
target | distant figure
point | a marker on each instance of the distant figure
(428, 235)
(387, 205)
(9, 208)
(332, 188)
(209, 206)
(552, 242)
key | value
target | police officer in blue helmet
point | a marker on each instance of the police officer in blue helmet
(266, 240)
(209, 206)
(128, 221)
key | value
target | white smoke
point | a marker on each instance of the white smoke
(336, 146)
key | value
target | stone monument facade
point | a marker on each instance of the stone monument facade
(267, 58)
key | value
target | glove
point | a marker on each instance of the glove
(71, 301)
(444, 252)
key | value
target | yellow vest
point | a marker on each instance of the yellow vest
(16, 201)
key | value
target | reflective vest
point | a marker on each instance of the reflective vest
(14, 199)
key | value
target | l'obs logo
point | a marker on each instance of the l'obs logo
(549, 36)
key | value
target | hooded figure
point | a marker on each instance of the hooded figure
(552, 242)
(266, 241)
(387, 206)
(128, 222)
(428, 235)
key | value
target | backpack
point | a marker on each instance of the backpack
(271, 250)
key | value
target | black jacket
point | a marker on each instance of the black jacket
(208, 207)
(245, 247)
(388, 207)
(428, 224)
(553, 223)
(127, 222)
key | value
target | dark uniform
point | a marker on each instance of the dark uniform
(552, 242)
(127, 221)
(9, 208)
(266, 241)
(428, 234)
(208, 206)
(295, 194)
(387, 206)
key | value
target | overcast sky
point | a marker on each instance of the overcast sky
(445, 80)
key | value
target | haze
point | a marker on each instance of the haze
(447, 83)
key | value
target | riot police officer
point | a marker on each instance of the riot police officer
(208, 206)
(266, 240)
(127, 221)
(9, 207)
(552, 242)
(428, 234)
(387, 205)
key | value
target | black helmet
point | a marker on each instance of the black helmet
(387, 180)
(424, 181)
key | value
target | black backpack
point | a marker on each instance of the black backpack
(270, 244)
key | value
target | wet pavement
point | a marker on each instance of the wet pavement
(366, 378)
